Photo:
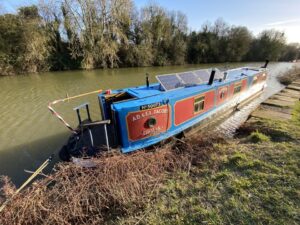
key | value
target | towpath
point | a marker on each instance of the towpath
(280, 105)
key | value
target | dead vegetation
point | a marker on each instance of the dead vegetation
(118, 186)
(290, 75)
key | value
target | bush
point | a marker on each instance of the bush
(289, 76)
(257, 137)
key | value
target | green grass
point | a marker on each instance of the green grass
(254, 182)
(256, 137)
(296, 114)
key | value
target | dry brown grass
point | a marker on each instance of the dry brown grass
(118, 186)
(289, 76)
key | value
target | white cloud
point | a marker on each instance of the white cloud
(283, 22)
(290, 27)
(292, 32)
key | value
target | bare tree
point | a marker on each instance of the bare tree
(99, 27)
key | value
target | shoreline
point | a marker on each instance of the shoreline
(165, 185)
(135, 67)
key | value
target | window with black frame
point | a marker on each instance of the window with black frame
(222, 94)
(199, 104)
(237, 88)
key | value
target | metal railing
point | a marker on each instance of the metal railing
(51, 104)
(103, 122)
(83, 125)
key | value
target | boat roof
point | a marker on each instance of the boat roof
(155, 92)
(157, 88)
(144, 94)
(144, 91)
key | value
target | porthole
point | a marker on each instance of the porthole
(151, 122)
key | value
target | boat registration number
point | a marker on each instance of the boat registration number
(150, 106)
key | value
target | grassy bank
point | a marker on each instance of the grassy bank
(253, 179)
(250, 179)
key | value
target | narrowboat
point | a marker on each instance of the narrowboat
(138, 117)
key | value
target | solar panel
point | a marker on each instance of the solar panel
(219, 74)
(203, 75)
(173, 81)
(189, 78)
(169, 82)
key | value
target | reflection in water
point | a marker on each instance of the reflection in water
(29, 156)
(29, 133)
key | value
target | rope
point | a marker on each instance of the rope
(63, 100)
(37, 172)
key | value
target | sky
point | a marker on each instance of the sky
(257, 15)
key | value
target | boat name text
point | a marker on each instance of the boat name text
(148, 113)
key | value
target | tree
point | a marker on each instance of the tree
(87, 34)
(291, 52)
(165, 31)
(54, 20)
(35, 49)
(99, 26)
(196, 52)
(210, 44)
(10, 40)
(138, 52)
(268, 45)
(239, 41)
(178, 47)
(24, 43)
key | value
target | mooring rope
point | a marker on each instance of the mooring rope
(37, 172)
(63, 100)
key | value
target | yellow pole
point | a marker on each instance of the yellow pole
(81, 95)
(63, 100)
(40, 169)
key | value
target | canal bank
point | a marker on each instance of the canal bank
(280, 106)
(251, 179)
(29, 133)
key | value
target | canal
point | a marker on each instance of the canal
(28, 131)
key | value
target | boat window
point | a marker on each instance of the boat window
(199, 104)
(237, 88)
(222, 95)
(222, 92)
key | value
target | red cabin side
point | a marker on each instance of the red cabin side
(235, 85)
(222, 94)
(146, 123)
(184, 110)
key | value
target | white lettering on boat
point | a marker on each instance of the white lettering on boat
(148, 113)
(151, 131)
